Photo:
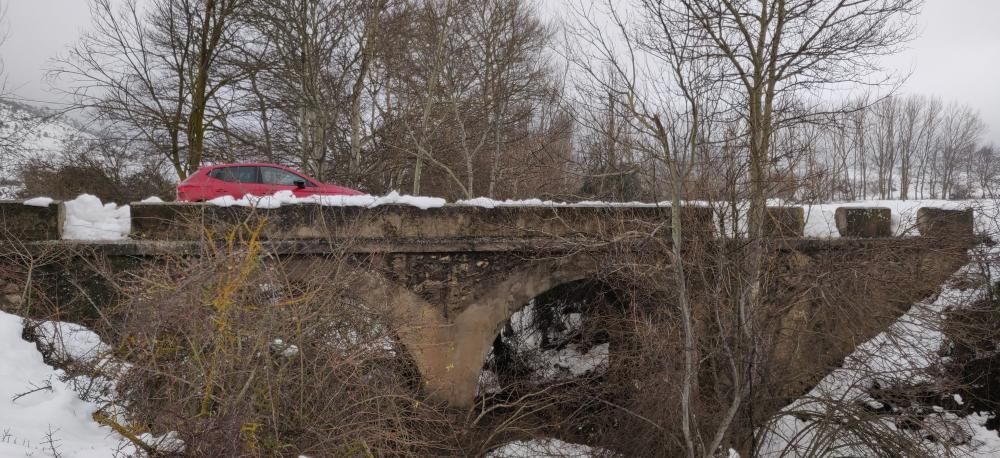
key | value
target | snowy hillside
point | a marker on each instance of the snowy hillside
(28, 132)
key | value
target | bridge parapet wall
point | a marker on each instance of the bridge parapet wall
(170, 221)
(31, 222)
(189, 221)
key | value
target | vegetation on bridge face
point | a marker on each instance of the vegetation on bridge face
(291, 352)
(240, 353)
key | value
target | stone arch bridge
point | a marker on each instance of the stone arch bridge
(455, 274)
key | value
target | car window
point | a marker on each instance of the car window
(242, 174)
(271, 175)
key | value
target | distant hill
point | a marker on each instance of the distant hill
(28, 132)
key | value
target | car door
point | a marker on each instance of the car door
(236, 181)
(275, 179)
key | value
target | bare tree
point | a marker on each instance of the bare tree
(760, 59)
(908, 133)
(885, 131)
(927, 149)
(960, 130)
(986, 164)
(154, 72)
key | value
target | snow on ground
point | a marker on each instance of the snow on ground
(34, 134)
(50, 417)
(540, 448)
(42, 409)
(68, 341)
(88, 219)
(566, 361)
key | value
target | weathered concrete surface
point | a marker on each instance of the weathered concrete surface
(449, 304)
(182, 221)
(833, 296)
(785, 222)
(450, 348)
(452, 276)
(940, 223)
(864, 222)
(29, 222)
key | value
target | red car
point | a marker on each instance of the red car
(238, 180)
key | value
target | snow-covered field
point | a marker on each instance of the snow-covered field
(29, 134)
(35, 134)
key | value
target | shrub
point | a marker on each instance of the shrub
(242, 354)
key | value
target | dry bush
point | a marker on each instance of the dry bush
(245, 354)
(99, 167)
(821, 299)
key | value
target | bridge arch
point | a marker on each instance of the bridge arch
(560, 335)
(419, 324)
(476, 327)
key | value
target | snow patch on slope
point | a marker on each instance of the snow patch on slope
(53, 411)
(30, 134)
(546, 448)
(903, 354)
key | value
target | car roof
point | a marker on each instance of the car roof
(247, 164)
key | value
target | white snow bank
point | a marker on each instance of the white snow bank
(56, 407)
(39, 202)
(821, 220)
(53, 411)
(69, 341)
(88, 219)
(288, 198)
(538, 448)
(152, 200)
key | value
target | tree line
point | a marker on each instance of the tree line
(447, 97)
(463, 98)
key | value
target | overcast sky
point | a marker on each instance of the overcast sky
(956, 57)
